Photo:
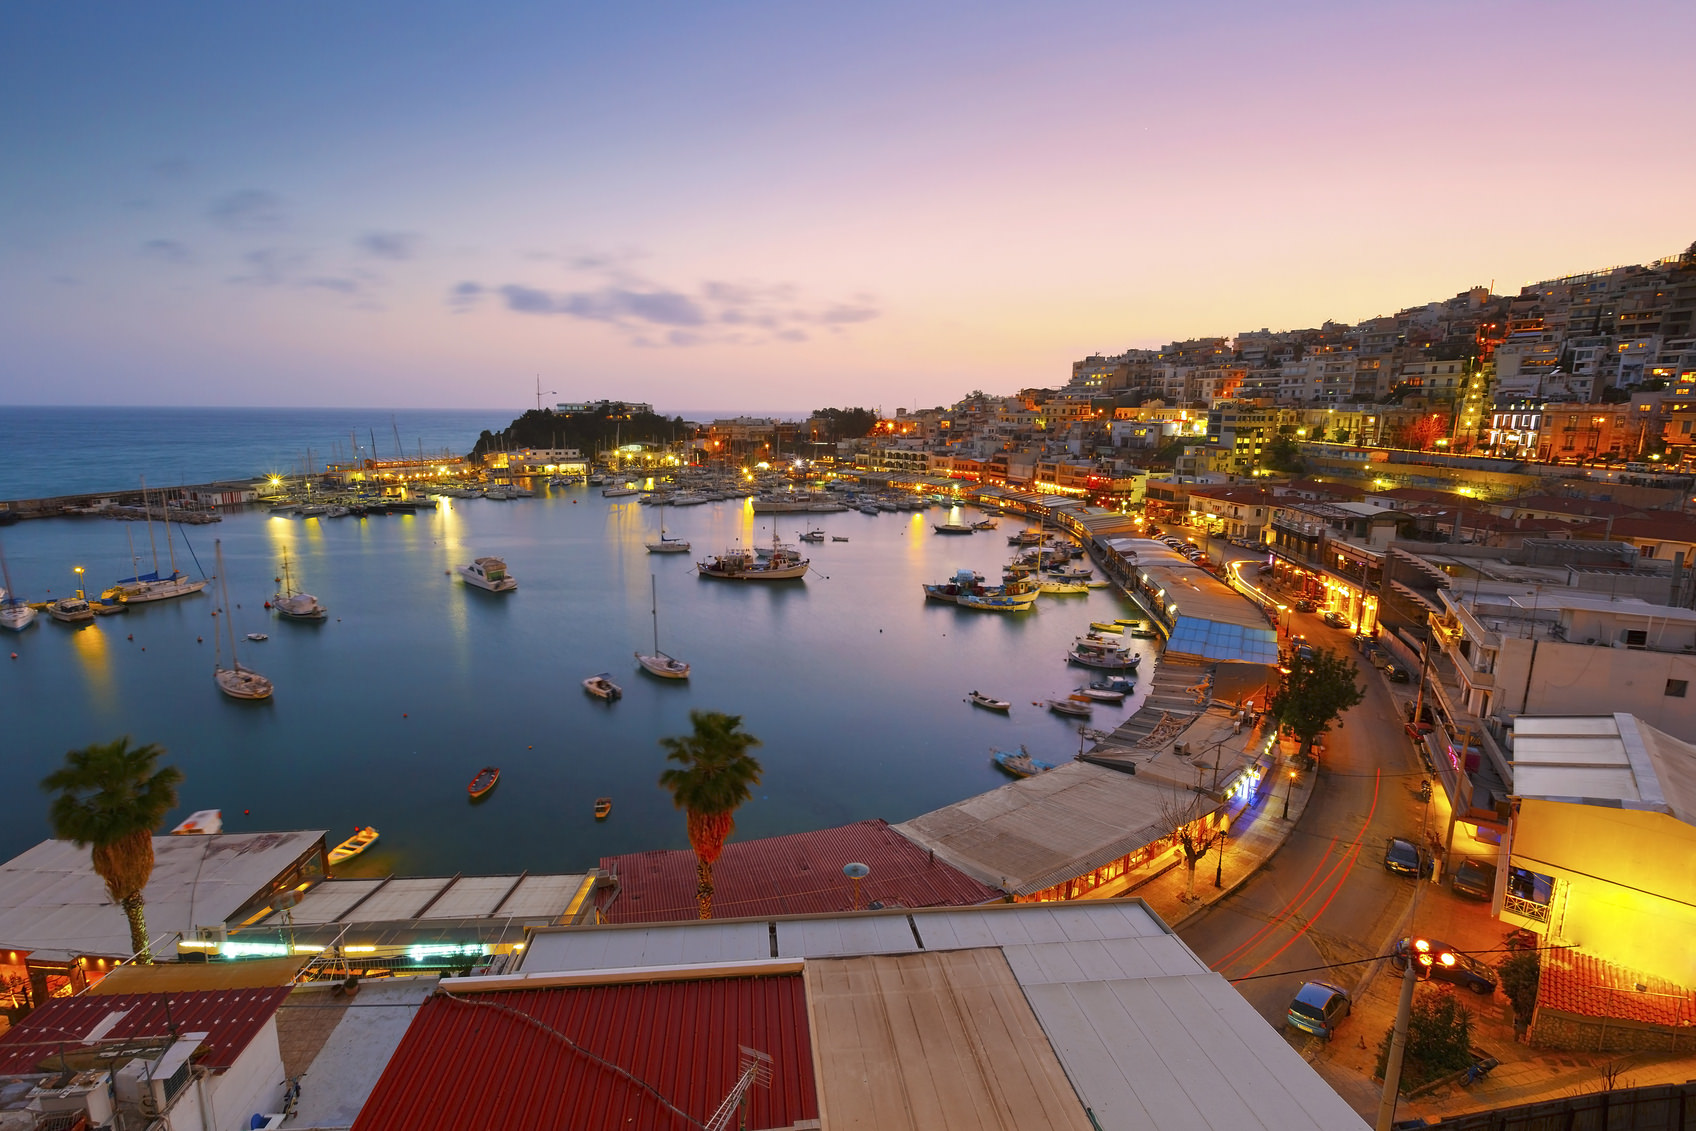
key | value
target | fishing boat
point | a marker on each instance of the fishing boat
(839, 537)
(1069, 707)
(1019, 763)
(952, 528)
(812, 536)
(985, 524)
(780, 564)
(1102, 654)
(619, 492)
(106, 608)
(1126, 684)
(235, 681)
(489, 574)
(603, 808)
(258, 636)
(602, 688)
(1129, 622)
(1101, 694)
(70, 610)
(979, 699)
(657, 662)
(996, 602)
(1060, 587)
(295, 606)
(484, 781)
(353, 845)
(1026, 538)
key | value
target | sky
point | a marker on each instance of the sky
(785, 206)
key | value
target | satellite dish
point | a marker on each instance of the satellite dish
(856, 871)
(286, 900)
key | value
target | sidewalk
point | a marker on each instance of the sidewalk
(1256, 833)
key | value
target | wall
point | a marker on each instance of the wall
(253, 1084)
(1630, 878)
(1585, 679)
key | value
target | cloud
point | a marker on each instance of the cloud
(269, 267)
(391, 245)
(250, 210)
(715, 312)
(167, 251)
(334, 283)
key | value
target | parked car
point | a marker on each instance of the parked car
(1335, 619)
(1404, 857)
(1450, 965)
(1318, 1008)
(1363, 642)
(1417, 731)
(1474, 878)
(1303, 605)
(1264, 569)
(1395, 673)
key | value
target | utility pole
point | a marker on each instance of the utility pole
(1398, 1047)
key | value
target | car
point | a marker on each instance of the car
(1417, 731)
(1475, 879)
(1363, 642)
(1319, 1007)
(1264, 570)
(1404, 857)
(1448, 965)
(1303, 605)
(1395, 673)
(1335, 619)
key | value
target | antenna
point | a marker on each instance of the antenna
(755, 1069)
(856, 872)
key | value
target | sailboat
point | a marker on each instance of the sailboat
(657, 662)
(235, 681)
(667, 545)
(150, 586)
(15, 613)
(296, 606)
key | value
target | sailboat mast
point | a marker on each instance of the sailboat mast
(654, 590)
(147, 512)
(224, 585)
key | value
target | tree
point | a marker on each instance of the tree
(1317, 689)
(1193, 835)
(1439, 1041)
(1520, 974)
(110, 799)
(717, 774)
(1282, 454)
(845, 423)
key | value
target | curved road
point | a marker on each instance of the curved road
(1325, 897)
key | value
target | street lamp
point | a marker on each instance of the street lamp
(1219, 859)
(78, 571)
(1287, 793)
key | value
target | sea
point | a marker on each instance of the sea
(854, 684)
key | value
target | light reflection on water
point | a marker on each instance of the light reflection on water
(386, 710)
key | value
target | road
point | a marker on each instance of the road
(1325, 898)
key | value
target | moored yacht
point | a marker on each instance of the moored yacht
(490, 574)
(296, 606)
(70, 610)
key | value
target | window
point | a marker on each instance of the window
(1636, 638)
(1677, 687)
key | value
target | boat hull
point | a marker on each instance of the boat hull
(662, 665)
(239, 683)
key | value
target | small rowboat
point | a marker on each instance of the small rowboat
(1101, 694)
(1068, 707)
(1102, 626)
(484, 781)
(1020, 765)
(979, 699)
(1129, 622)
(602, 688)
(257, 636)
(353, 845)
(603, 806)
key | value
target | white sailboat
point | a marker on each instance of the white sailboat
(235, 681)
(657, 662)
(296, 606)
(15, 613)
(150, 586)
(667, 545)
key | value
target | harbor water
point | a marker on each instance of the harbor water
(383, 712)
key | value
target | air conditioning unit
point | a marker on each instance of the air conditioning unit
(150, 1086)
(87, 1092)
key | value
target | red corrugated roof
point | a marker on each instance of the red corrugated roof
(1575, 982)
(798, 874)
(232, 1018)
(597, 1057)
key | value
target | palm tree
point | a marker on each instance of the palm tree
(717, 776)
(111, 798)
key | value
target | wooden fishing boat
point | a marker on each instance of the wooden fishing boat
(979, 699)
(1113, 629)
(353, 845)
(484, 781)
(1069, 707)
(1020, 764)
(603, 807)
(1101, 694)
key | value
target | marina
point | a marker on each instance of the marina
(850, 677)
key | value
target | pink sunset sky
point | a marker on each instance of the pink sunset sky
(788, 206)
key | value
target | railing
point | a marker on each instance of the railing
(1525, 909)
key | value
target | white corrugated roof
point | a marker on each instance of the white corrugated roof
(1604, 760)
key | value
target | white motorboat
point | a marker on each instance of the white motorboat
(657, 662)
(1101, 694)
(501, 492)
(780, 564)
(814, 535)
(602, 688)
(258, 636)
(490, 574)
(979, 699)
(296, 606)
(70, 610)
(618, 492)
(1070, 707)
(235, 681)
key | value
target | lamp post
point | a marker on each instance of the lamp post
(1287, 792)
(78, 571)
(1219, 859)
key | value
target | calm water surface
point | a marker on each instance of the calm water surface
(384, 712)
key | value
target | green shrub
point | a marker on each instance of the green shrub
(1439, 1041)
(1519, 976)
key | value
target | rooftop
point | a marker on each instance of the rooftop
(53, 904)
(230, 1018)
(788, 875)
(1615, 761)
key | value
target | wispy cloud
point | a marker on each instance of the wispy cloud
(167, 251)
(249, 211)
(391, 245)
(714, 312)
(270, 267)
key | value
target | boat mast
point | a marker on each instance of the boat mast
(170, 546)
(218, 629)
(147, 511)
(653, 589)
(224, 585)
